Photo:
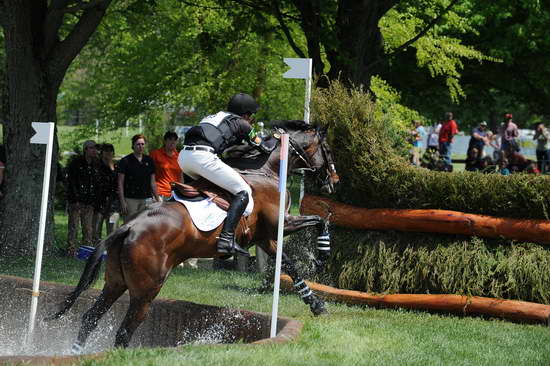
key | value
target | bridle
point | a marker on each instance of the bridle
(297, 150)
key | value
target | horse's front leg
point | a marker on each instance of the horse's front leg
(297, 223)
(316, 305)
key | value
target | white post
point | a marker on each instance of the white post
(127, 123)
(301, 68)
(44, 135)
(280, 232)
(97, 130)
(140, 125)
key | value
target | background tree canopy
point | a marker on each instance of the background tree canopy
(171, 61)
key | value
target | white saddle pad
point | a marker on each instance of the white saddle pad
(206, 215)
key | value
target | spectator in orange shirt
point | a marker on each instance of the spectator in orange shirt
(446, 134)
(167, 168)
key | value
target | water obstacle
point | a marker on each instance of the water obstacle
(171, 323)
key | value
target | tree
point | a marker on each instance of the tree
(42, 38)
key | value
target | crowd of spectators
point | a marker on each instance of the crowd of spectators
(100, 190)
(506, 158)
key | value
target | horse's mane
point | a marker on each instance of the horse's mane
(248, 157)
(293, 125)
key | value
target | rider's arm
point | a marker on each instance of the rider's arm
(258, 142)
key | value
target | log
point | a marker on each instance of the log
(430, 221)
(520, 311)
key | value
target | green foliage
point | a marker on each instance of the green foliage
(393, 262)
(181, 62)
(375, 175)
(441, 51)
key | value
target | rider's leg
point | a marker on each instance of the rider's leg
(209, 166)
(226, 242)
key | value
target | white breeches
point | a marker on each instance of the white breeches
(205, 164)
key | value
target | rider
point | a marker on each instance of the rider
(199, 158)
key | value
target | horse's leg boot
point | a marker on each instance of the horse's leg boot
(226, 242)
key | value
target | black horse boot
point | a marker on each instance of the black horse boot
(226, 242)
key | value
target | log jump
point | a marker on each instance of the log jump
(431, 221)
(520, 311)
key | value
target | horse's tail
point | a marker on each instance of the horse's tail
(91, 271)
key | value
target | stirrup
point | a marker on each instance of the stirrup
(228, 245)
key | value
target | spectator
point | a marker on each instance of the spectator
(446, 134)
(503, 167)
(433, 137)
(136, 179)
(107, 204)
(480, 137)
(2, 169)
(508, 132)
(472, 160)
(418, 135)
(81, 194)
(542, 136)
(167, 168)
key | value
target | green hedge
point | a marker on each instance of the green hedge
(370, 156)
(393, 262)
(370, 153)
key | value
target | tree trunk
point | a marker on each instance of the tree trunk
(359, 52)
(32, 99)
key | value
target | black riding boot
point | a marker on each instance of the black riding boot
(226, 242)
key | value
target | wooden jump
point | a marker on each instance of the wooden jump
(430, 221)
(520, 311)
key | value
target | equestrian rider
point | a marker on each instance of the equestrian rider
(199, 158)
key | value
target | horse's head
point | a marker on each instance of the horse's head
(309, 151)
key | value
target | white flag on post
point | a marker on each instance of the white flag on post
(42, 133)
(300, 68)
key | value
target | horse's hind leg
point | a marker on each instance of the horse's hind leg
(136, 314)
(111, 292)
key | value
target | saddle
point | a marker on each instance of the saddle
(202, 188)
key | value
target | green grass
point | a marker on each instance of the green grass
(348, 336)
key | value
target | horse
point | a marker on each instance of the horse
(142, 252)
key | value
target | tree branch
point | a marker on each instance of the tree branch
(52, 23)
(422, 32)
(263, 8)
(2, 13)
(65, 52)
(82, 6)
(286, 31)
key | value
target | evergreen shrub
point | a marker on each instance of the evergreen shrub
(394, 262)
(370, 152)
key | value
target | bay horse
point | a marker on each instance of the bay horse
(142, 252)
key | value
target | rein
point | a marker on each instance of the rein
(299, 151)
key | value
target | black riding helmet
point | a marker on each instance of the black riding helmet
(242, 103)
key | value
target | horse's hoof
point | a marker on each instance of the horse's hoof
(76, 349)
(319, 310)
